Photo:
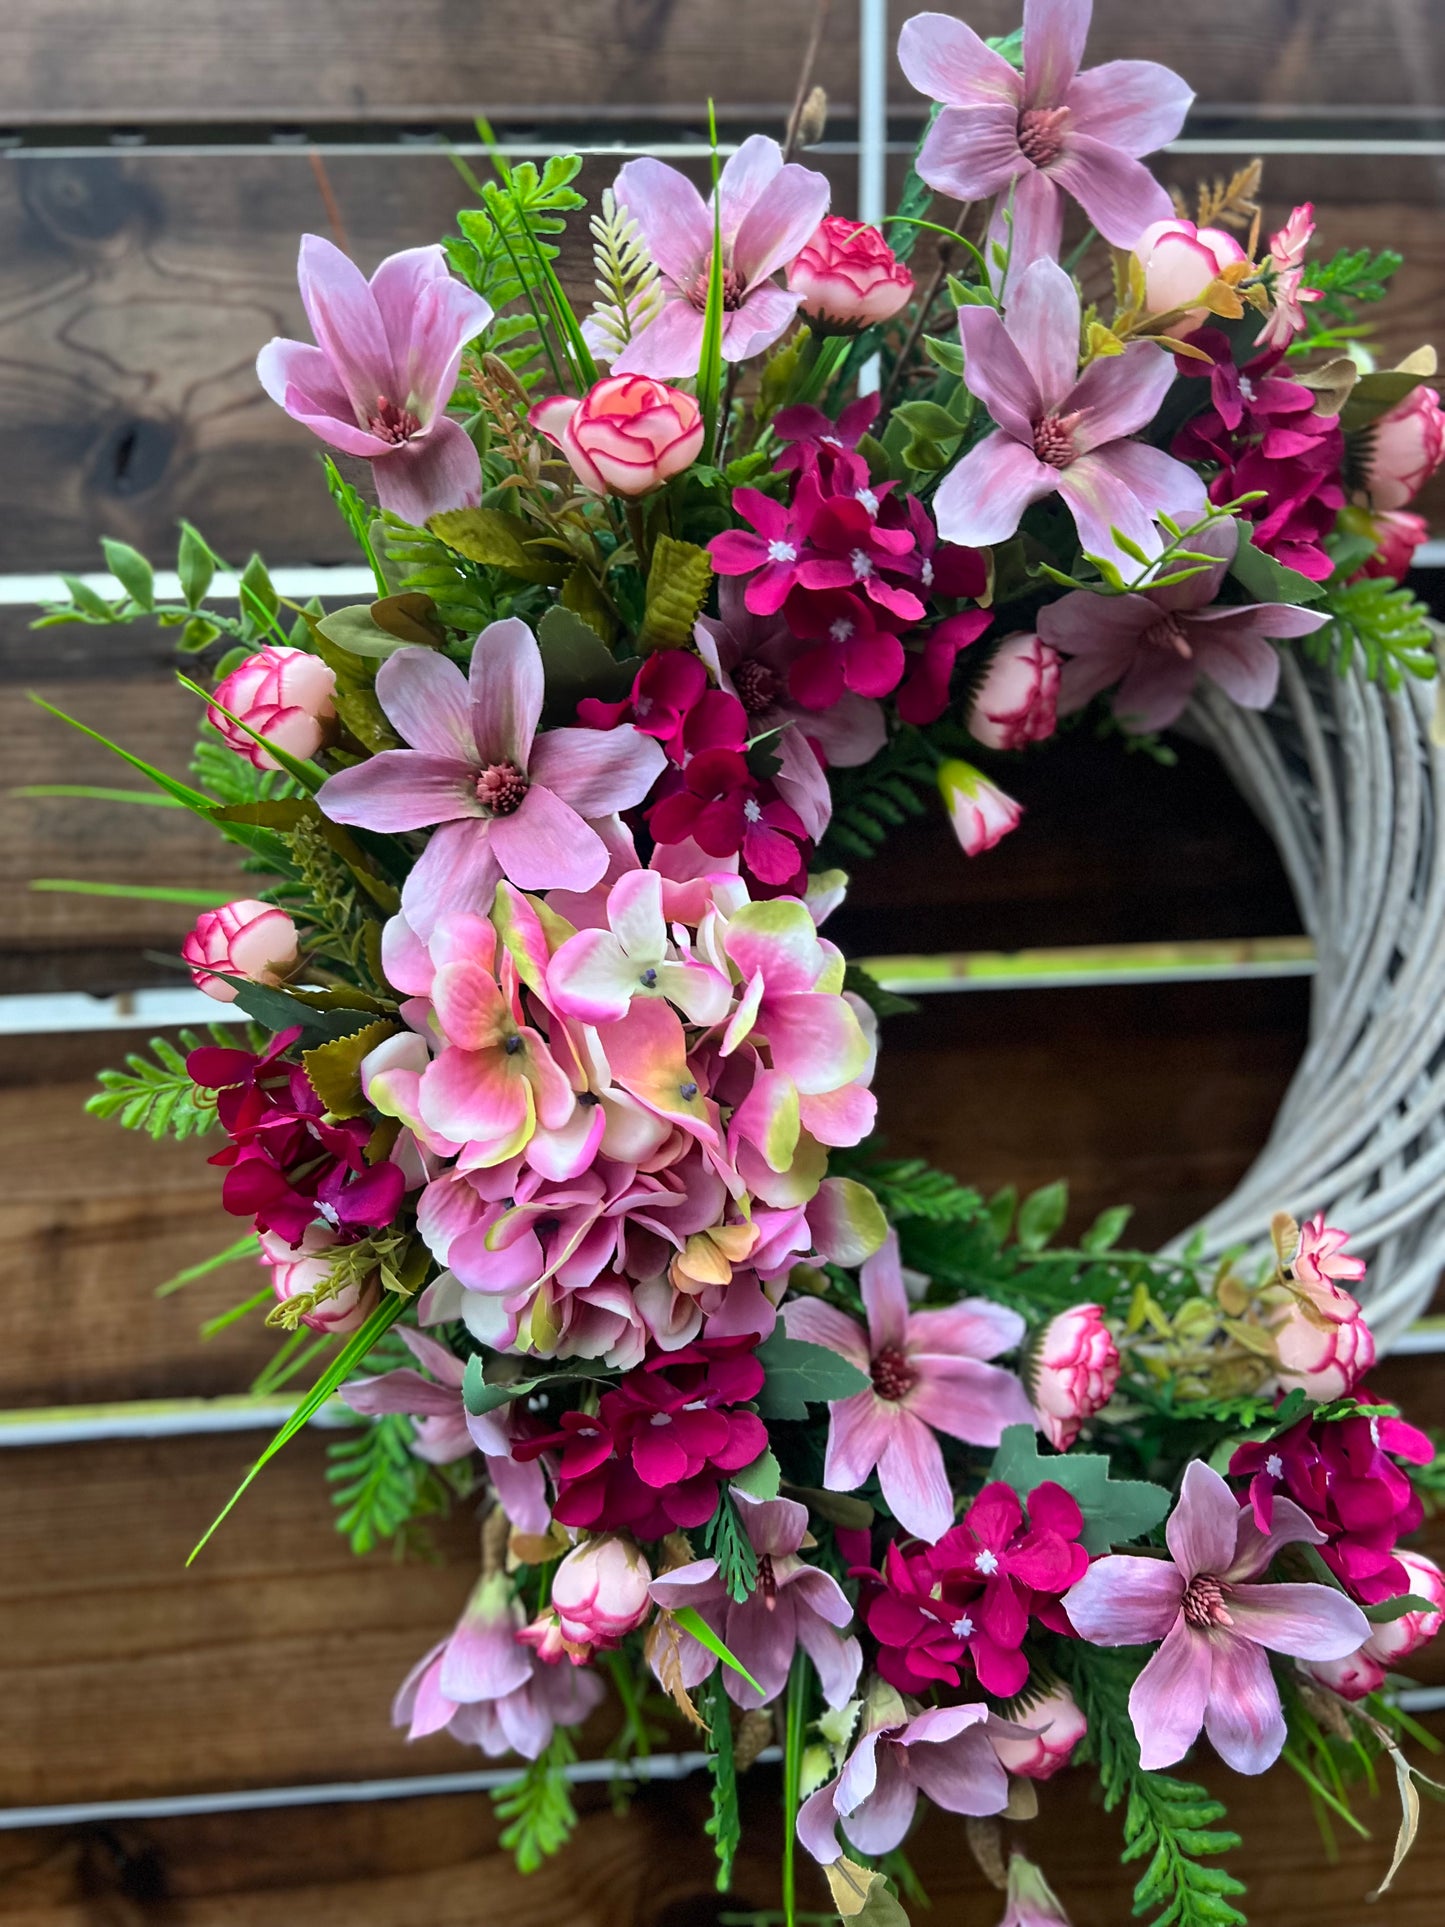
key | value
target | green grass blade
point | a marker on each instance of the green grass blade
(709, 367)
(181, 792)
(95, 794)
(692, 1621)
(306, 774)
(244, 1247)
(137, 892)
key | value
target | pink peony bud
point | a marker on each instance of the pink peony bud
(980, 812)
(1017, 701)
(1354, 1678)
(1061, 1725)
(600, 1592)
(1404, 449)
(1326, 1354)
(1180, 261)
(1397, 533)
(626, 436)
(285, 694)
(1073, 1372)
(849, 277)
(1396, 1639)
(245, 939)
(298, 1269)
(1032, 1902)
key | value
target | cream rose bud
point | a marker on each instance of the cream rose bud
(1072, 1373)
(245, 939)
(299, 1269)
(284, 694)
(1017, 702)
(600, 1591)
(848, 276)
(1179, 262)
(628, 434)
(1326, 1357)
(981, 813)
(1396, 1639)
(1404, 449)
(1354, 1678)
(1061, 1725)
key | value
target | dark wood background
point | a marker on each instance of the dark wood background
(149, 211)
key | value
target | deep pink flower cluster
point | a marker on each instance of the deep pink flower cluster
(1343, 1474)
(287, 1163)
(1261, 432)
(971, 1596)
(851, 567)
(650, 1458)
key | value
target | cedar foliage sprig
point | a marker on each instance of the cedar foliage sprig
(1171, 1825)
(155, 1094)
(382, 1491)
(537, 1808)
(1389, 626)
(729, 1544)
(725, 1824)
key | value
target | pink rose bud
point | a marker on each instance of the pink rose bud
(600, 1591)
(1397, 534)
(1396, 1639)
(245, 939)
(1326, 1354)
(980, 812)
(298, 1269)
(1354, 1678)
(1404, 449)
(284, 694)
(1179, 261)
(849, 277)
(1061, 1726)
(1017, 701)
(1320, 1262)
(1073, 1372)
(626, 436)
(1032, 1902)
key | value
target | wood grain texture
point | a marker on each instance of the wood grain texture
(133, 61)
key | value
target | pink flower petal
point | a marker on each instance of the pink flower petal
(545, 845)
(1204, 1524)
(967, 1400)
(1158, 480)
(300, 377)
(885, 1300)
(1119, 195)
(1253, 1549)
(913, 1478)
(972, 1328)
(592, 979)
(1305, 1621)
(1118, 394)
(1155, 689)
(475, 1094)
(1101, 501)
(815, 1323)
(859, 1430)
(1054, 35)
(436, 470)
(672, 215)
(757, 323)
(401, 789)
(838, 1661)
(1038, 226)
(670, 346)
(1043, 324)
(817, 1825)
(506, 689)
(347, 324)
(815, 1039)
(1168, 1699)
(996, 369)
(780, 220)
(983, 497)
(880, 1822)
(429, 317)
(1243, 1716)
(1125, 1600)
(1083, 677)
(946, 60)
(456, 871)
(764, 1640)
(597, 772)
(1134, 105)
(962, 1774)
(972, 153)
(426, 700)
(1234, 655)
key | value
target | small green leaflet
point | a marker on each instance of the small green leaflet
(761, 1479)
(692, 1621)
(800, 1374)
(1115, 1510)
(1268, 580)
(480, 1397)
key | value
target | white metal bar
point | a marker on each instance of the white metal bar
(177, 1806)
(157, 1419)
(298, 584)
(66, 1012)
(873, 147)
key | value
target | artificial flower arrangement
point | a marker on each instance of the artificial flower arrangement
(552, 1124)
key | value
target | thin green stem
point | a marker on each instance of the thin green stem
(795, 1723)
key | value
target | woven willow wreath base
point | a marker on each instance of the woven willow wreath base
(1350, 781)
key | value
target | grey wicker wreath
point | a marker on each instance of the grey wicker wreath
(1349, 779)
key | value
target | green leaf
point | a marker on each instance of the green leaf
(495, 539)
(1115, 1510)
(95, 793)
(180, 792)
(90, 602)
(710, 362)
(1267, 580)
(692, 1621)
(800, 1374)
(131, 570)
(195, 565)
(882, 1003)
(1107, 1229)
(1388, 626)
(155, 1094)
(136, 892)
(333, 1069)
(1041, 1214)
(726, 1538)
(576, 662)
(356, 630)
(538, 1807)
(1386, 1610)
(278, 1010)
(677, 582)
(246, 1246)
(761, 1479)
(479, 1395)
(725, 1823)
(862, 1895)
(947, 355)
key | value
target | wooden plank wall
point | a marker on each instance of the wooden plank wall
(148, 222)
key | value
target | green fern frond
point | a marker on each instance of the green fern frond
(155, 1094)
(537, 1808)
(1388, 626)
(627, 278)
(900, 783)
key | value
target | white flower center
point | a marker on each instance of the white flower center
(661, 1418)
(753, 810)
(862, 567)
(840, 630)
(927, 573)
(1274, 1465)
(987, 1562)
(962, 1627)
(1246, 387)
(782, 552)
(868, 499)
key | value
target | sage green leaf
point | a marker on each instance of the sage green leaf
(495, 539)
(333, 1069)
(761, 1479)
(357, 631)
(800, 1374)
(677, 582)
(1041, 1214)
(1115, 1510)
(131, 570)
(1268, 580)
(576, 662)
(195, 565)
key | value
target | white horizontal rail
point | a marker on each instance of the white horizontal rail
(297, 584)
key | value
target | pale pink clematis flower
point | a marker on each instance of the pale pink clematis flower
(928, 1375)
(379, 382)
(1048, 131)
(1157, 642)
(1060, 431)
(510, 803)
(767, 212)
(794, 1604)
(1216, 1624)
